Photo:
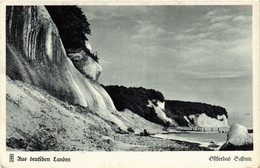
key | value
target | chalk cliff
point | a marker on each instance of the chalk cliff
(35, 55)
(151, 105)
(85, 64)
(196, 114)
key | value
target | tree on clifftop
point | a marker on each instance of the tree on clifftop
(72, 25)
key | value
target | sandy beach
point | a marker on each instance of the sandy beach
(130, 142)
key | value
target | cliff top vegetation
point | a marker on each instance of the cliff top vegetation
(73, 27)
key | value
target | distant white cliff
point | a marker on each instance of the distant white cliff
(202, 120)
(195, 114)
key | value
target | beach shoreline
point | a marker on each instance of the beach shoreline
(130, 142)
(207, 139)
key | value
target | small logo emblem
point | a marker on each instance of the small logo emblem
(11, 157)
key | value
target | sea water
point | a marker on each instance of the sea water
(203, 138)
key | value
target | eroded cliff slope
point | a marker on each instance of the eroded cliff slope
(37, 121)
(35, 55)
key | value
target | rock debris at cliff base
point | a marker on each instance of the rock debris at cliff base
(38, 121)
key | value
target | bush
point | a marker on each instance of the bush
(129, 129)
(144, 133)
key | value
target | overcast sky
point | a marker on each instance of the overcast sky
(190, 53)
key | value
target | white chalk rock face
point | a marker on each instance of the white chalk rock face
(86, 65)
(202, 120)
(238, 139)
(35, 55)
(159, 110)
(92, 68)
